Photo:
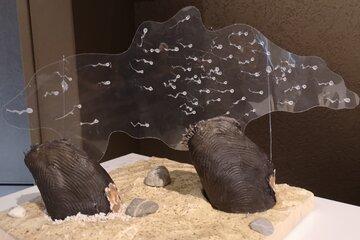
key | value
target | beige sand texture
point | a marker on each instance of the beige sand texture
(183, 212)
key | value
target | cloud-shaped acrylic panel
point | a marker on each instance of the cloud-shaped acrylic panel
(174, 74)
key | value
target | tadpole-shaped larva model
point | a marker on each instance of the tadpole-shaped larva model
(236, 176)
(69, 182)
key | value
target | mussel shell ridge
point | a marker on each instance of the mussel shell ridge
(234, 172)
(69, 182)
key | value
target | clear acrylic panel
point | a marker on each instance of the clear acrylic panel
(174, 74)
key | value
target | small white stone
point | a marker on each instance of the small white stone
(17, 212)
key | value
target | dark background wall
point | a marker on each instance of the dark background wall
(317, 149)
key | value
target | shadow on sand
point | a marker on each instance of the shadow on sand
(185, 183)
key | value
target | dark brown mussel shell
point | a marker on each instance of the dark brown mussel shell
(68, 180)
(234, 172)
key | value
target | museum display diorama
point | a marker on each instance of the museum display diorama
(193, 88)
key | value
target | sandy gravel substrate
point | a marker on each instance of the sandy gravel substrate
(183, 212)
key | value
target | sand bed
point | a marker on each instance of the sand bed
(183, 212)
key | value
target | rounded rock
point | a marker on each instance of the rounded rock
(141, 207)
(262, 226)
(158, 177)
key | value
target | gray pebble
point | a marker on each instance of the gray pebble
(141, 207)
(263, 226)
(158, 177)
